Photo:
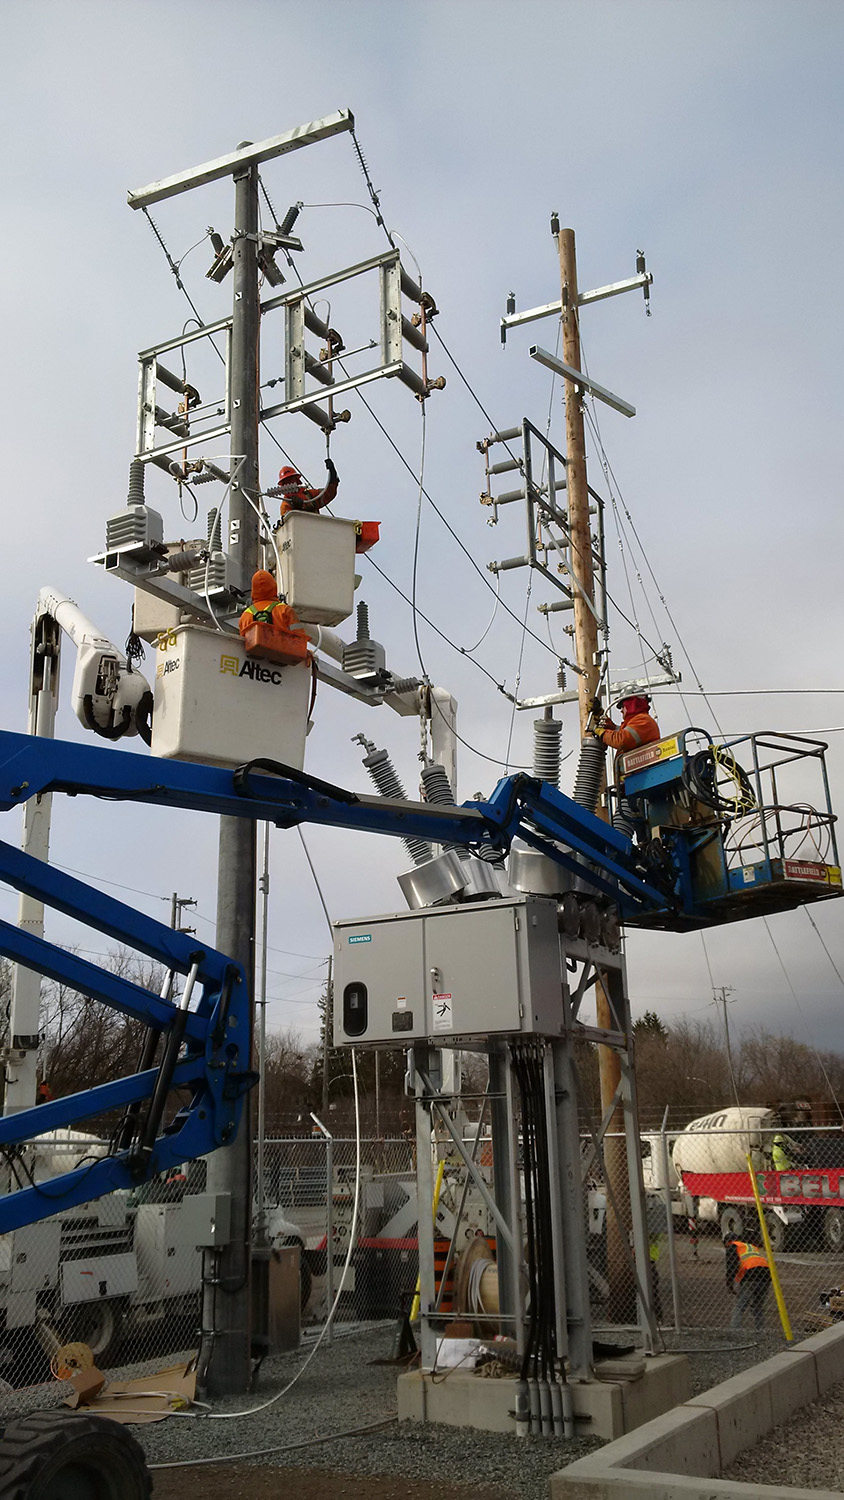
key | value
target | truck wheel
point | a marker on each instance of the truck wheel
(777, 1233)
(57, 1456)
(730, 1220)
(833, 1229)
(100, 1325)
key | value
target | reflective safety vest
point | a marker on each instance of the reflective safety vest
(750, 1259)
(262, 615)
(782, 1160)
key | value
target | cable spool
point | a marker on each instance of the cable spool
(701, 776)
(590, 770)
(69, 1359)
(547, 734)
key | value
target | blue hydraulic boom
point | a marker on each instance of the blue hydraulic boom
(677, 871)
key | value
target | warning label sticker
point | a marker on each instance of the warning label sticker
(443, 1015)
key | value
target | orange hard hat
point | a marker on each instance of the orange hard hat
(263, 585)
(289, 475)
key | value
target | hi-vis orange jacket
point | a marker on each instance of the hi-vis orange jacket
(639, 729)
(750, 1258)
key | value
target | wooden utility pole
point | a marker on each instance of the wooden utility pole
(619, 1270)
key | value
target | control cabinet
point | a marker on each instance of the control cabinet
(449, 973)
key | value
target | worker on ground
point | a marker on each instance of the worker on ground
(296, 495)
(654, 1250)
(749, 1277)
(657, 1225)
(638, 727)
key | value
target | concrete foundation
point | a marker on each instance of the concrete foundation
(679, 1455)
(602, 1408)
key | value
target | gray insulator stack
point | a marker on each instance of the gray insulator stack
(386, 780)
(546, 749)
(364, 658)
(183, 560)
(136, 483)
(587, 784)
(436, 788)
(214, 528)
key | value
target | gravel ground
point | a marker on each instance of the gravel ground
(808, 1450)
(716, 1355)
(343, 1389)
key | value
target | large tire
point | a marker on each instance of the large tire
(58, 1456)
(100, 1325)
(730, 1221)
(833, 1230)
(777, 1233)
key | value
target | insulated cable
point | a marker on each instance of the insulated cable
(820, 1061)
(661, 596)
(230, 1458)
(415, 571)
(528, 592)
(838, 973)
(435, 330)
(449, 528)
(419, 479)
(226, 493)
(251, 1411)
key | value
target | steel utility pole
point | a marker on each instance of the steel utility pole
(619, 1271)
(177, 906)
(225, 1356)
(226, 1364)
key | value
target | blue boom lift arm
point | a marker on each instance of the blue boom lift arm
(205, 1046)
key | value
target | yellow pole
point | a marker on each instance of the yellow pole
(414, 1306)
(781, 1307)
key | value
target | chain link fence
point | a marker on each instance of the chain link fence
(122, 1275)
(700, 1196)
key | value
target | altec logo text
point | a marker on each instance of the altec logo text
(251, 669)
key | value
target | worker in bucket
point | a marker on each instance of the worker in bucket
(749, 1277)
(638, 727)
(296, 495)
(272, 631)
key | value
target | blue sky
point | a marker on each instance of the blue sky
(708, 134)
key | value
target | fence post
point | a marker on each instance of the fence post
(672, 1249)
(329, 1225)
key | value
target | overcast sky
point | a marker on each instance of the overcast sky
(707, 134)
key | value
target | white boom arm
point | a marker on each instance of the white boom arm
(109, 698)
(106, 691)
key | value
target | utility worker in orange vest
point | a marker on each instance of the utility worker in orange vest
(749, 1276)
(295, 494)
(272, 630)
(638, 727)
